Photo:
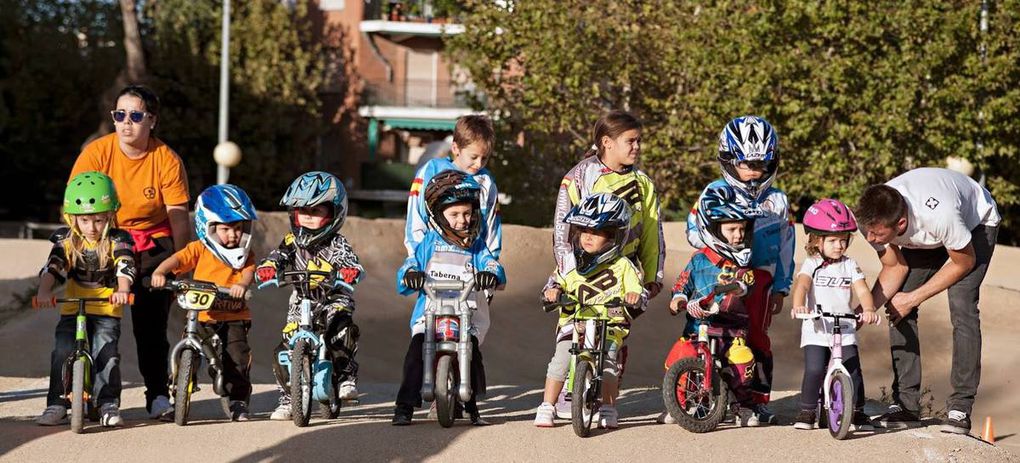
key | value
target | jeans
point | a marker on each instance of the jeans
(103, 334)
(905, 344)
(816, 363)
(149, 316)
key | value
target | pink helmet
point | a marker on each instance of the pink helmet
(829, 216)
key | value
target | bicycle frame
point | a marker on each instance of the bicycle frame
(836, 350)
(447, 306)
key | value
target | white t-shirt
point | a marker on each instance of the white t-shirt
(944, 206)
(831, 287)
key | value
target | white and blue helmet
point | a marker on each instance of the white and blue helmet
(600, 211)
(753, 140)
(717, 206)
(310, 190)
(224, 204)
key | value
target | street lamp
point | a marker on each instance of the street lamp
(229, 154)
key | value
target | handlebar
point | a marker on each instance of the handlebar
(293, 277)
(432, 286)
(567, 301)
(185, 285)
(55, 300)
(819, 312)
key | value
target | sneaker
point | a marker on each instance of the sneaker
(665, 418)
(761, 415)
(806, 419)
(282, 412)
(239, 411)
(608, 417)
(53, 415)
(477, 420)
(349, 389)
(401, 419)
(861, 422)
(956, 423)
(898, 417)
(563, 406)
(110, 416)
(544, 415)
(160, 406)
(745, 418)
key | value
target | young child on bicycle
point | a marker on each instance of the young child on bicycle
(222, 255)
(451, 248)
(317, 203)
(826, 278)
(598, 229)
(473, 142)
(749, 160)
(96, 260)
(725, 227)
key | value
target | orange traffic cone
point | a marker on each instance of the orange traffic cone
(989, 434)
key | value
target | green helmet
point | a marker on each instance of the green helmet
(90, 193)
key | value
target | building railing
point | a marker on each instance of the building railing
(415, 92)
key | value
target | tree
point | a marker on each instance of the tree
(858, 91)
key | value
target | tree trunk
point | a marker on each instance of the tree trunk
(133, 72)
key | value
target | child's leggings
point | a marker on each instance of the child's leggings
(816, 362)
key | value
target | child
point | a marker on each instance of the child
(749, 160)
(598, 228)
(825, 278)
(221, 255)
(725, 227)
(317, 202)
(95, 258)
(452, 247)
(473, 140)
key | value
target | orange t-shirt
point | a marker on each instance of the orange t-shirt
(145, 186)
(195, 256)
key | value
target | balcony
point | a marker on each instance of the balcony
(423, 93)
(418, 18)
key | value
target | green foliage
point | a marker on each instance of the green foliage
(859, 91)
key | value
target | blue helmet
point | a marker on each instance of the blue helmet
(753, 140)
(224, 204)
(600, 211)
(451, 187)
(312, 189)
(718, 206)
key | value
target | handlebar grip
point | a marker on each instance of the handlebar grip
(131, 298)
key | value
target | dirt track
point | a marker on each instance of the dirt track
(511, 357)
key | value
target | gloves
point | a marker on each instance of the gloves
(694, 308)
(485, 280)
(414, 279)
(350, 274)
(265, 273)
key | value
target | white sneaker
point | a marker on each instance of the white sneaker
(282, 412)
(544, 415)
(563, 406)
(110, 416)
(349, 390)
(665, 418)
(53, 415)
(608, 418)
(160, 406)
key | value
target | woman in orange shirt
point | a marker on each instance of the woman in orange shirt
(153, 189)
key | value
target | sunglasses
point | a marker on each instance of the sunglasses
(136, 116)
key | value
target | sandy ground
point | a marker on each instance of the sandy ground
(516, 352)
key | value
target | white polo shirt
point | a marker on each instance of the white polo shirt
(943, 207)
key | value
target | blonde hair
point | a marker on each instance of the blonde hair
(76, 245)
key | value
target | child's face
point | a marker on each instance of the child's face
(594, 241)
(314, 217)
(834, 246)
(471, 158)
(229, 234)
(733, 232)
(748, 171)
(624, 149)
(92, 226)
(458, 216)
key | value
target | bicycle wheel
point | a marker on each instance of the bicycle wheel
(694, 406)
(584, 398)
(185, 385)
(840, 408)
(301, 383)
(78, 401)
(446, 391)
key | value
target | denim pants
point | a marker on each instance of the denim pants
(103, 334)
(905, 344)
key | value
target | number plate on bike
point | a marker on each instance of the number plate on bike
(194, 299)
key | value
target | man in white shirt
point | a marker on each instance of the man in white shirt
(917, 222)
